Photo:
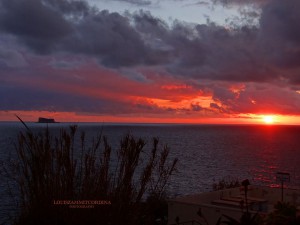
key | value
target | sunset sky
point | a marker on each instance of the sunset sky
(170, 61)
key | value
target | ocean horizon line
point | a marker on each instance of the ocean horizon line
(154, 124)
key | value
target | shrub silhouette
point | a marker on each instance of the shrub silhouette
(54, 168)
(246, 219)
(284, 214)
(225, 183)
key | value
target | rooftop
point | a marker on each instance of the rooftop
(232, 202)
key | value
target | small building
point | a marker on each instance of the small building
(207, 208)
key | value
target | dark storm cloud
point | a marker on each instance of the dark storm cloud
(38, 26)
(44, 27)
(204, 51)
(109, 37)
(280, 33)
(267, 53)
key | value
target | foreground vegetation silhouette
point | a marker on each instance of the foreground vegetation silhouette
(284, 214)
(130, 182)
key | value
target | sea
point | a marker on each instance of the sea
(206, 153)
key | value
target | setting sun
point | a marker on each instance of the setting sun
(268, 119)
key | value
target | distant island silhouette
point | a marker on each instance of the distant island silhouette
(46, 120)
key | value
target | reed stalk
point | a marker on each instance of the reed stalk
(50, 168)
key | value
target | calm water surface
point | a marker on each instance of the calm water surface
(206, 153)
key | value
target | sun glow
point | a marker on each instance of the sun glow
(268, 119)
